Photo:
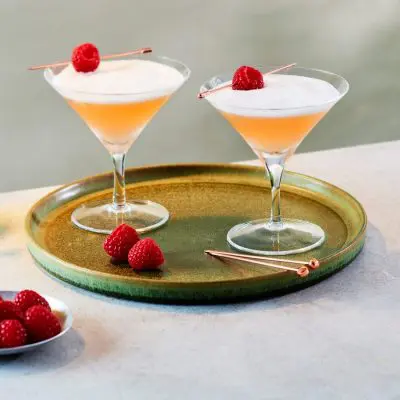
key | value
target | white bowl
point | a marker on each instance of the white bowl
(57, 306)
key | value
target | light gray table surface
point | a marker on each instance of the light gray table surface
(339, 339)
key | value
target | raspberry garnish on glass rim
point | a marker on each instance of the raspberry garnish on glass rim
(143, 50)
(247, 78)
(85, 58)
(207, 92)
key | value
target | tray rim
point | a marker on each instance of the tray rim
(357, 241)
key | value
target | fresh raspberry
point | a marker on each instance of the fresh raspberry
(41, 323)
(12, 333)
(146, 254)
(120, 241)
(85, 58)
(247, 78)
(28, 298)
(9, 310)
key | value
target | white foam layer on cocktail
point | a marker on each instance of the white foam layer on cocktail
(283, 95)
(118, 81)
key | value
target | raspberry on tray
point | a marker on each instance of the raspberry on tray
(120, 241)
(146, 255)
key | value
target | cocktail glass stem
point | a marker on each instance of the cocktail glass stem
(119, 197)
(275, 235)
(275, 165)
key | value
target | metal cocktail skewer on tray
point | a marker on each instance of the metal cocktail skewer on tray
(302, 271)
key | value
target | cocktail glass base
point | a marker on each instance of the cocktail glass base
(291, 236)
(143, 215)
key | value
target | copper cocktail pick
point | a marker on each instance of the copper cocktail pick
(266, 261)
(207, 92)
(143, 50)
(313, 263)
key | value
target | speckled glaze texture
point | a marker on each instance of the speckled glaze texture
(204, 201)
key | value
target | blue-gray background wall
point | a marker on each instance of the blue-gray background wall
(43, 142)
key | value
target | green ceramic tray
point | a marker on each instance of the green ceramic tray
(204, 202)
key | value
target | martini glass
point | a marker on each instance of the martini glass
(117, 119)
(274, 135)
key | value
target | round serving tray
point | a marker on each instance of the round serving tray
(204, 201)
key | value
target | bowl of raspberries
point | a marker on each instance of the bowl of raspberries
(29, 320)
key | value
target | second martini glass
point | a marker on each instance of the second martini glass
(117, 119)
(274, 130)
